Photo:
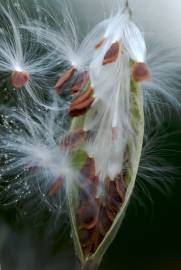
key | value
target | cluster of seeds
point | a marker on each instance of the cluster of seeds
(94, 215)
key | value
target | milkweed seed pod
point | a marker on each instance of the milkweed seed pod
(84, 148)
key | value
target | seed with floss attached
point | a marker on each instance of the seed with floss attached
(112, 54)
(81, 108)
(140, 72)
(19, 78)
(64, 79)
(81, 81)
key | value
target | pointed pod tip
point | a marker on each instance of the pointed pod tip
(19, 78)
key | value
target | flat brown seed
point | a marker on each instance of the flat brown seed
(111, 215)
(82, 79)
(81, 109)
(104, 222)
(89, 170)
(74, 139)
(112, 54)
(85, 237)
(120, 186)
(87, 215)
(88, 189)
(113, 203)
(97, 238)
(140, 72)
(19, 79)
(63, 79)
(82, 97)
(78, 113)
(55, 187)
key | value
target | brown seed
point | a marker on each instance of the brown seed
(104, 222)
(81, 109)
(111, 215)
(110, 187)
(74, 139)
(56, 186)
(100, 43)
(140, 72)
(19, 79)
(82, 103)
(120, 186)
(112, 54)
(97, 239)
(88, 181)
(65, 78)
(89, 169)
(113, 199)
(88, 189)
(82, 97)
(82, 79)
(87, 214)
(85, 237)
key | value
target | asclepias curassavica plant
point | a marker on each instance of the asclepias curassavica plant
(80, 142)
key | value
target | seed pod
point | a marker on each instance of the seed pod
(19, 79)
